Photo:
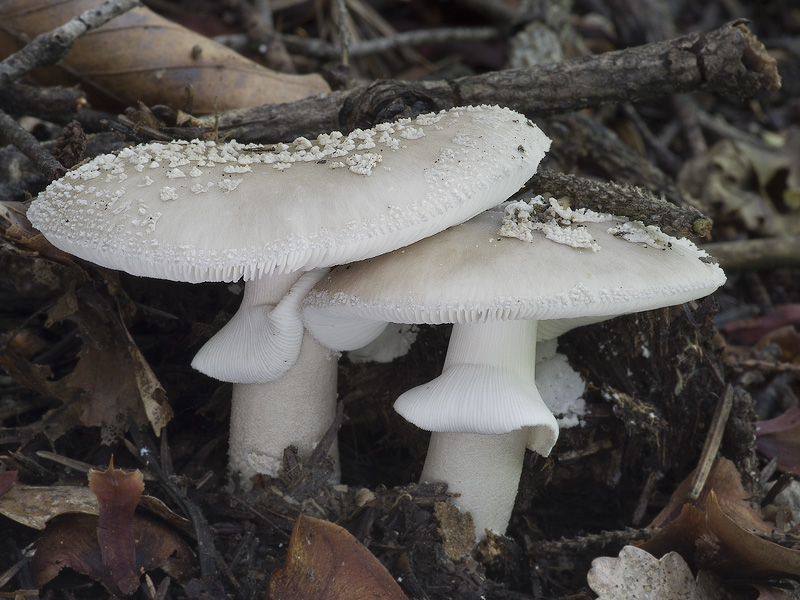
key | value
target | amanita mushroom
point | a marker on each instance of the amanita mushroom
(502, 294)
(276, 216)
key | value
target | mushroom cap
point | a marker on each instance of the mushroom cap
(470, 274)
(202, 211)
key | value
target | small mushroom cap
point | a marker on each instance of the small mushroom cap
(469, 274)
(201, 211)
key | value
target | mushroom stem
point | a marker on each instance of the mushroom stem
(296, 409)
(284, 390)
(484, 409)
(484, 469)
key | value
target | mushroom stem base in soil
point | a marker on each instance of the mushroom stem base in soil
(485, 471)
(484, 410)
(284, 381)
(296, 409)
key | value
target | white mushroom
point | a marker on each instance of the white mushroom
(201, 211)
(502, 294)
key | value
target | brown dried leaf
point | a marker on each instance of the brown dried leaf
(34, 506)
(636, 574)
(111, 382)
(712, 540)
(71, 542)
(118, 493)
(117, 545)
(25, 373)
(141, 56)
(716, 532)
(787, 338)
(325, 562)
(112, 376)
(726, 482)
(25, 343)
(777, 170)
(779, 438)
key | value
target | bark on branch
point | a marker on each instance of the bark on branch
(623, 200)
(727, 60)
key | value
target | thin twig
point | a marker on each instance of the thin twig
(340, 18)
(711, 446)
(49, 48)
(77, 465)
(9, 573)
(687, 112)
(56, 104)
(440, 35)
(592, 540)
(44, 50)
(260, 29)
(670, 162)
(765, 366)
(629, 201)
(205, 542)
(30, 147)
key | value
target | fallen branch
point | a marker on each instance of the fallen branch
(623, 200)
(727, 60)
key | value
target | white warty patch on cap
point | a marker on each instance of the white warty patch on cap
(467, 274)
(232, 210)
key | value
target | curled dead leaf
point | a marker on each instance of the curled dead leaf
(71, 542)
(34, 506)
(112, 377)
(719, 531)
(115, 546)
(325, 562)
(141, 56)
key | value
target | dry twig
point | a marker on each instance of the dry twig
(624, 200)
(48, 48)
(260, 30)
(727, 60)
(44, 50)
(441, 35)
